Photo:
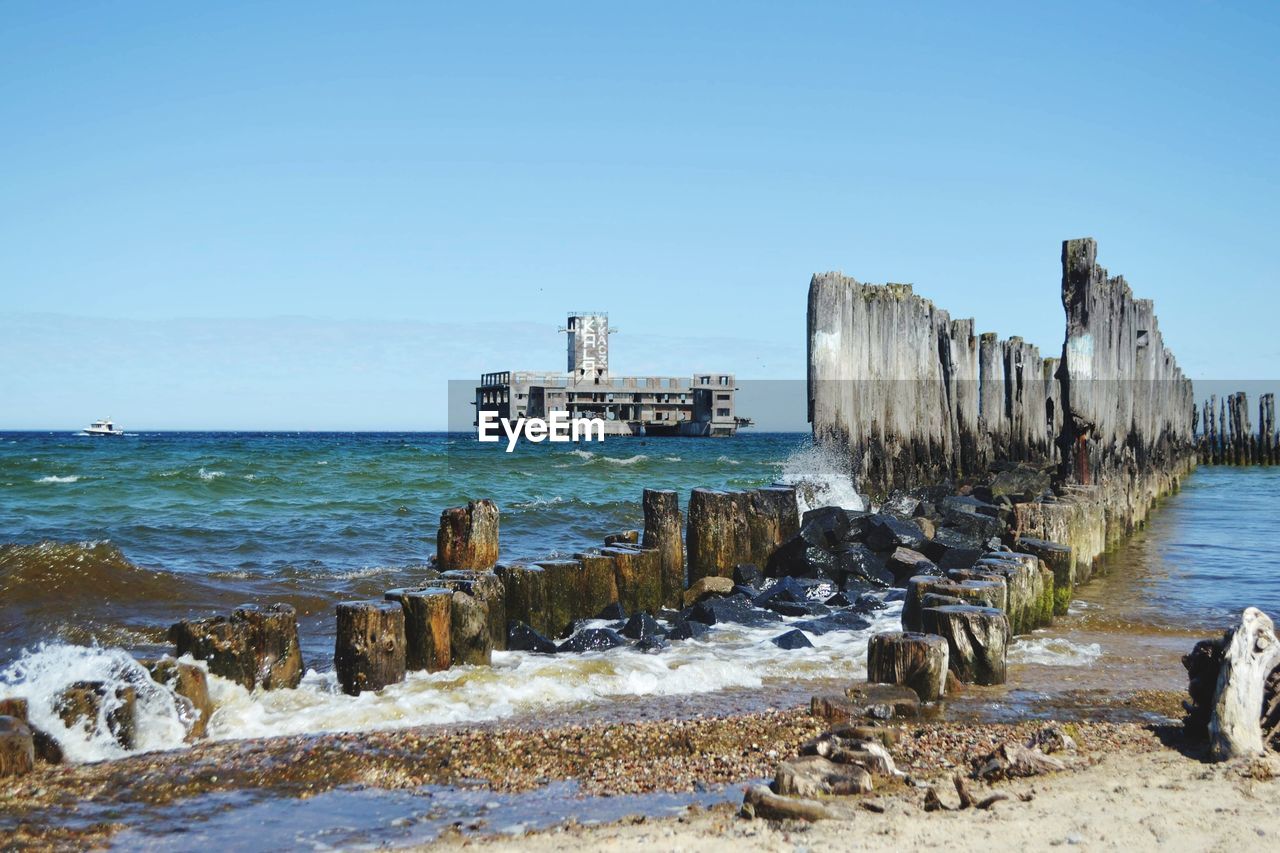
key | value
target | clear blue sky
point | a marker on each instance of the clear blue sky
(312, 215)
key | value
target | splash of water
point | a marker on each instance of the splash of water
(821, 478)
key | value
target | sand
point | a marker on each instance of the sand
(1145, 801)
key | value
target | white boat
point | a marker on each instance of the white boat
(103, 427)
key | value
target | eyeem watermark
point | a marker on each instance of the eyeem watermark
(558, 427)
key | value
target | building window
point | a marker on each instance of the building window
(722, 413)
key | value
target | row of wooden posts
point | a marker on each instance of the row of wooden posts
(460, 614)
(1226, 437)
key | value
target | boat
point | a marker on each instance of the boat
(103, 427)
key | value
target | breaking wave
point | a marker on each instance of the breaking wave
(70, 478)
(1053, 651)
(821, 479)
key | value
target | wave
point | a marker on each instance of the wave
(70, 478)
(211, 475)
(41, 674)
(63, 574)
(821, 479)
(725, 460)
(1053, 651)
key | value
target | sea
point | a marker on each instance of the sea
(105, 542)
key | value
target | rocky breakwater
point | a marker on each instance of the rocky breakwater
(1078, 446)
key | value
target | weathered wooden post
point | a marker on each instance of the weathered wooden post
(428, 621)
(468, 536)
(977, 639)
(639, 577)
(918, 661)
(17, 747)
(81, 704)
(717, 523)
(369, 652)
(191, 686)
(664, 533)
(600, 582)
(525, 595)
(469, 635)
(565, 592)
(256, 647)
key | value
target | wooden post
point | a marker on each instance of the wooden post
(663, 532)
(468, 536)
(428, 620)
(369, 652)
(525, 595)
(639, 578)
(600, 582)
(256, 647)
(918, 661)
(565, 592)
(190, 685)
(17, 748)
(469, 636)
(977, 637)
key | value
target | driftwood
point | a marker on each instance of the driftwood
(762, 803)
(918, 661)
(1012, 760)
(1252, 652)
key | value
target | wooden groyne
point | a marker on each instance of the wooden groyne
(1225, 437)
(912, 398)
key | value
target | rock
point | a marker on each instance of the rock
(613, 612)
(1052, 739)
(256, 647)
(468, 536)
(626, 537)
(641, 626)
(747, 574)
(522, 638)
(815, 776)
(1203, 665)
(760, 802)
(791, 640)
(858, 564)
(190, 685)
(469, 638)
(652, 645)
(428, 624)
(706, 587)
(977, 637)
(918, 661)
(664, 533)
(901, 505)
(841, 620)
(83, 703)
(885, 532)
(46, 748)
(592, 640)
(1020, 483)
(838, 600)
(686, 629)
(369, 652)
(713, 611)
(525, 594)
(905, 563)
(927, 527)
(17, 748)
(825, 527)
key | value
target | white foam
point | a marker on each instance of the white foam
(42, 673)
(821, 479)
(519, 682)
(211, 475)
(1053, 651)
(70, 478)
(725, 460)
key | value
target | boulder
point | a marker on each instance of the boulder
(841, 620)
(825, 527)
(905, 563)
(47, 748)
(522, 638)
(592, 640)
(885, 532)
(641, 626)
(686, 629)
(791, 640)
(706, 587)
(714, 611)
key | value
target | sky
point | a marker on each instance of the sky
(314, 215)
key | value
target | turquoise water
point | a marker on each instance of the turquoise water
(156, 527)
